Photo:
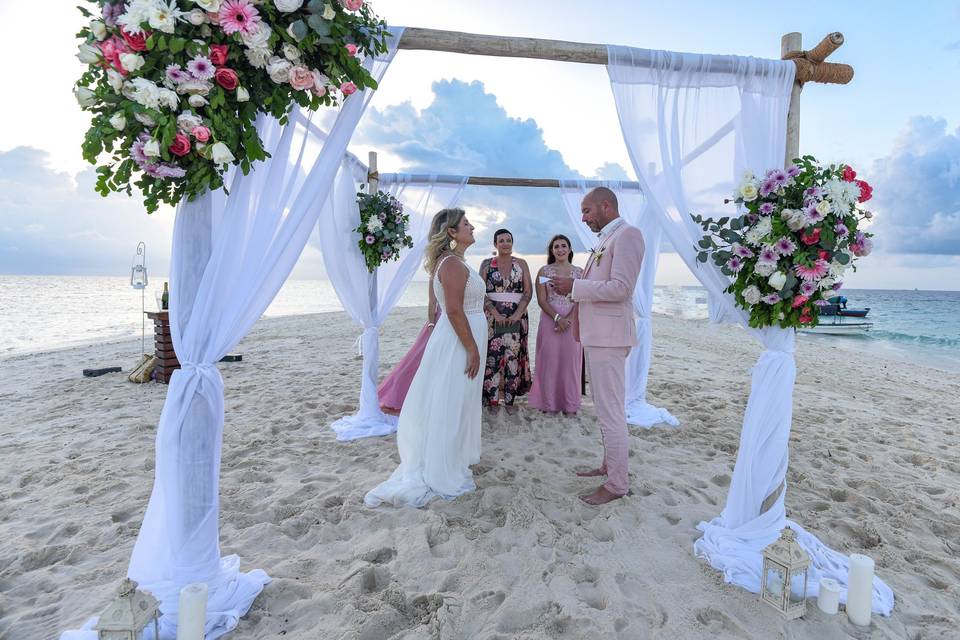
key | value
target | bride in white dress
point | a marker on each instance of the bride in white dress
(438, 434)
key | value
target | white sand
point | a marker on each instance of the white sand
(874, 469)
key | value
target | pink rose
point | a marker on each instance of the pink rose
(848, 173)
(111, 50)
(799, 301)
(348, 88)
(352, 5)
(218, 54)
(301, 78)
(136, 41)
(866, 191)
(351, 50)
(200, 133)
(226, 78)
(181, 145)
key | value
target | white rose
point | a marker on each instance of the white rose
(220, 153)
(328, 12)
(197, 101)
(151, 149)
(259, 38)
(288, 6)
(187, 120)
(118, 121)
(748, 191)
(197, 17)
(168, 99)
(290, 52)
(98, 29)
(824, 208)
(209, 5)
(242, 94)
(751, 294)
(258, 57)
(85, 97)
(145, 120)
(115, 80)
(131, 61)
(87, 54)
(199, 87)
(777, 280)
(279, 69)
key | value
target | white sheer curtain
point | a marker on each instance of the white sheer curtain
(369, 298)
(230, 256)
(633, 209)
(692, 124)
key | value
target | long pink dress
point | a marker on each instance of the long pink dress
(557, 374)
(393, 389)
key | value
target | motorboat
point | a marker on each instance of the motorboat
(838, 320)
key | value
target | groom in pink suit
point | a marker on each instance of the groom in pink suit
(603, 323)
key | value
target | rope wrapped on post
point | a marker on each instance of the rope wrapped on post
(812, 68)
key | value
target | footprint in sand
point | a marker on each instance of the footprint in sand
(720, 624)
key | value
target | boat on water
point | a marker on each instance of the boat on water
(837, 320)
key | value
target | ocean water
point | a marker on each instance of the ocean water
(40, 313)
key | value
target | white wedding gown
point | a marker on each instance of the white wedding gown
(438, 434)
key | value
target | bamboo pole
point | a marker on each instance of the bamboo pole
(415, 38)
(373, 183)
(790, 44)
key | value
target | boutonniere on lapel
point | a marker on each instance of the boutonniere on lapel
(596, 253)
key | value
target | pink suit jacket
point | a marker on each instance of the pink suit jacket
(603, 316)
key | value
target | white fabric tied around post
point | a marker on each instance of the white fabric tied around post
(368, 297)
(633, 209)
(231, 254)
(685, 117)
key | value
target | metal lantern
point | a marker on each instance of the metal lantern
(783, 583)
(129, 617)
(138, 272)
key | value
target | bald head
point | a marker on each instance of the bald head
(599, 207)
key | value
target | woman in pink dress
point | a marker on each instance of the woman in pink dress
(393, 389)
(557, 376)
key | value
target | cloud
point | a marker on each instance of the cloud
(464, 131)
(917, 195)
(55, 223)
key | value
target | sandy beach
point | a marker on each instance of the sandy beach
(874, 469)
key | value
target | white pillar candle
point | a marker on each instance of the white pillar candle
(828, 599)
(860, 590)
(193, 612)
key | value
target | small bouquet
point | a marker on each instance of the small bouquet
(383, 228)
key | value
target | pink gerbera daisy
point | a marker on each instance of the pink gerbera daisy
(819, 269)
(239, 15)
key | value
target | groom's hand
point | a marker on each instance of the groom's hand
(563, 286)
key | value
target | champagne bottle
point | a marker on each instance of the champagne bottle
(165, 298)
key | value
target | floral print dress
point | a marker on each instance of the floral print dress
(507, 372)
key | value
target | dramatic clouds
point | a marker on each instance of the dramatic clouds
(917, 191)
(464, 131)
(52, 223)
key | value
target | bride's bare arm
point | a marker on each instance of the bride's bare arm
(453, 278)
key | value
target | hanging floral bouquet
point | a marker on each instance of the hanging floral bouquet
(175, 86)
(797, 234)
(383, 228)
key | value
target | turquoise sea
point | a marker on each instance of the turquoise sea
(40, 313)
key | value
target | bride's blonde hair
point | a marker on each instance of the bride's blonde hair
(439, 238)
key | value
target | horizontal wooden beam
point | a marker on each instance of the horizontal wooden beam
(488, 181)
(416, 38)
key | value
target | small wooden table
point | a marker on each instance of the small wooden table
(167, 361)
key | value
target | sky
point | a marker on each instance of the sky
(898, 123)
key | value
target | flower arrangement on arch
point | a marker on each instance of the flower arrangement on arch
(797, 232)
(175, 86)
(383, 228)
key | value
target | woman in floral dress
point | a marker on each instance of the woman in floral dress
(509, 291)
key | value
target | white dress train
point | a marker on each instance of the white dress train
(438, 433)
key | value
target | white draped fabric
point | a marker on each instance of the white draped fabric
(633, 209)
(692, 124)
(368, 297)
(231, 254)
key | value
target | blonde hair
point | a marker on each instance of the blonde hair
(439, 238)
